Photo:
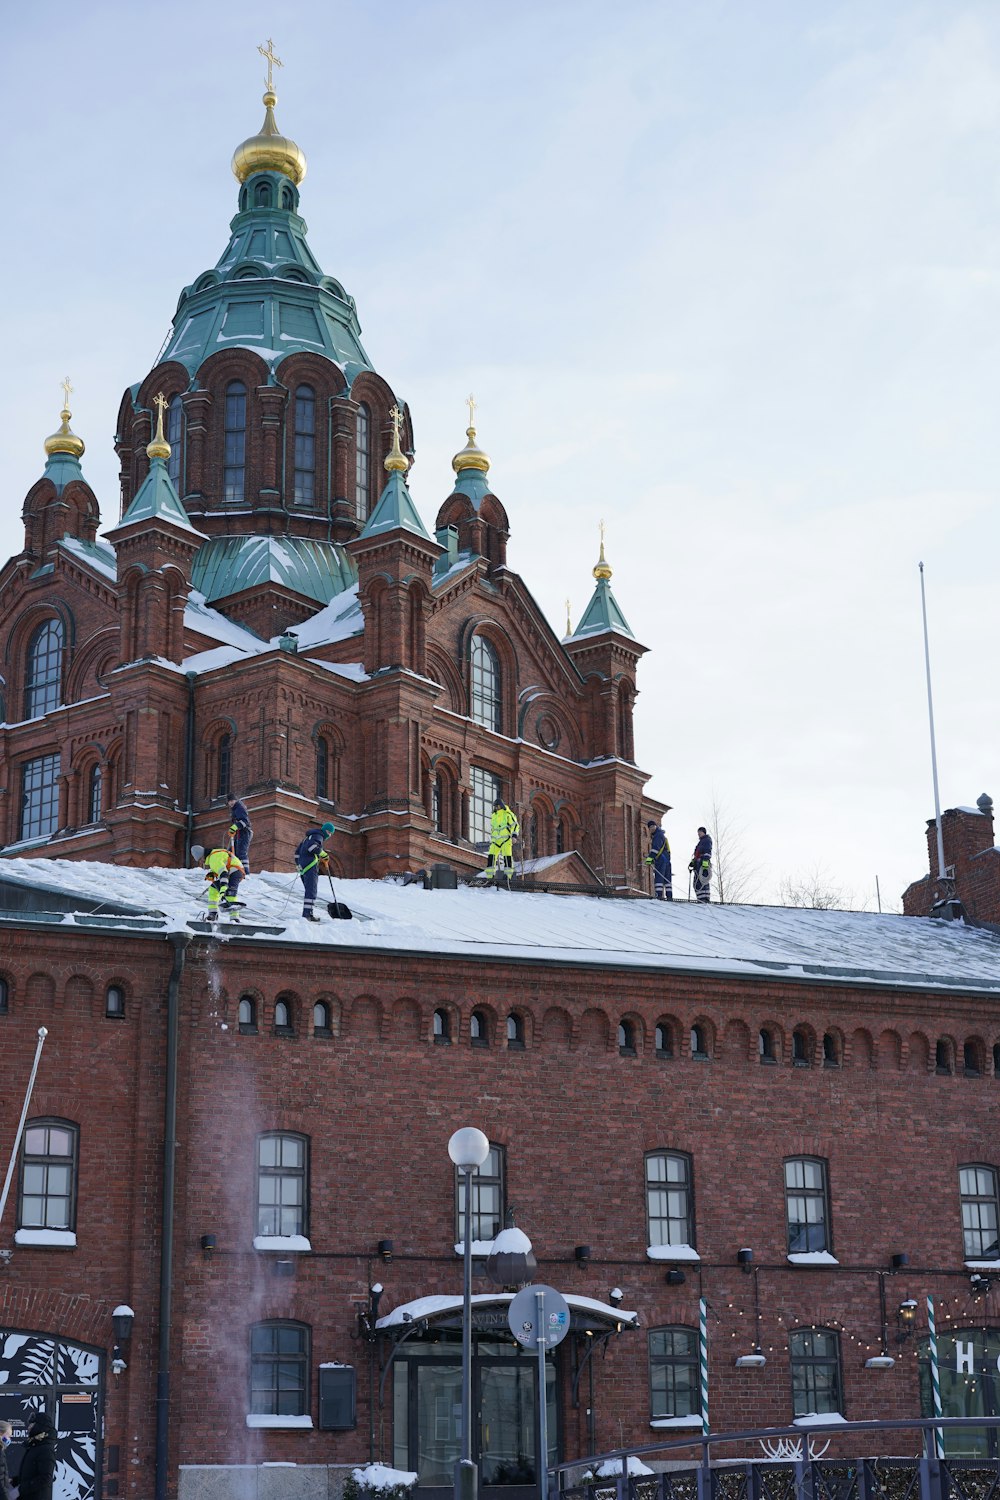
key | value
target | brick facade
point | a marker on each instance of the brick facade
(377, 1100)
(972, 863)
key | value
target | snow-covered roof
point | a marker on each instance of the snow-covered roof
(336, 621)
(441, 1306)
(846, 948)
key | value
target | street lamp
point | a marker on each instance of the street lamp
(468, 1149)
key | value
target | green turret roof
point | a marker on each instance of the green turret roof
(395, 510)
(63, 469)
(267, 291)
(602, 614)
(157, 500)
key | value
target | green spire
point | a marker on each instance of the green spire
(156, 498)
(395, 510)
(602, 613)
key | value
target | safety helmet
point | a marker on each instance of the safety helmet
(328, 828)
(197, 853)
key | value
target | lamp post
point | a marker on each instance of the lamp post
(468, 1149)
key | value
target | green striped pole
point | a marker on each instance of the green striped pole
(703, 1360)
(932, 1350)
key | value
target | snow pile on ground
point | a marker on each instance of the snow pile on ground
(847, 947)
(612, 1467)
(379, 1478)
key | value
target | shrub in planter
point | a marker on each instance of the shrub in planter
(380, 1482)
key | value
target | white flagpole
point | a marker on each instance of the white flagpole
(42, 1034)
(930, 716)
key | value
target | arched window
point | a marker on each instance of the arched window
(814, 1355)
(235, 455)
(39, 797)
(363, 461)
(282, 1181)
(533, 836)
(437, 804)
(807, 1212)
(305, 445)
(942, 1057)
(479, 1034)
(287, 199)
(486, 706)
(43, 678)
(831, 1052)
(114, 1002)
(247, 1014)
(47, 1197)
(175, 437)
(280, 1358)
(95, 779)
(801, 1049)
(765, 1046)
(224, 765)
(663, 1039)
(282, 1018)
(321, 1019)
(674, 1388)
(4, 997)
(699, 1045)
(560, 837)
(977, 1186)
(442, 1028)
(996, 1059)
(971, 1060)
(262, 195)
(669, 1219)
(322, 768)
(626, 1039)
(515, 1032)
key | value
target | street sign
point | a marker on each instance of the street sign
(538, 1309)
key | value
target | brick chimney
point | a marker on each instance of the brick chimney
(972, 862)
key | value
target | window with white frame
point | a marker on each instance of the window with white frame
(980, 1218)
(282, 1178)
(669, 1219)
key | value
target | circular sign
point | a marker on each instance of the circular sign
(523, 1316)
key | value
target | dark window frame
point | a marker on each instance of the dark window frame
(39, 810)
(484, 789)
(975, 1202)
(287, 1026)
(175, 437)
(479, 1019)
(698, 1041)
(831, 1051)
(43, 671)
(801, 1048)
(304, 445)
(514, 1027)
(234, 443)
(281, 1172)
(224, 765)
(296, 1398)
(663, 1404)
(114, 1010)
(46, 1160)
(247, 1028)
(667, 1185)
(95, 793)
(322, 1028)
(441, 1027)
(767, 1052)
(805, 1366)
(363, 461)
(485, 684)
(808, 1193)
(627, 1046)
(664, 1032)
(483, 1182)
(4, 996)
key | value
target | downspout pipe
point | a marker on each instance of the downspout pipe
(192, 678)
(180, 941)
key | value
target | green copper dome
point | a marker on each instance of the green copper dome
(267, 292)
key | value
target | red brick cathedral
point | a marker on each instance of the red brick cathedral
(269, 615)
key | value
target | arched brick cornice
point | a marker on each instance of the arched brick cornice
(213, 731)
(493, 632)
(443, 670)
(305, 368)
(86, 663)
(232, 364)
(493, 513)
(542, 705)
(171, 378)
(456, 509)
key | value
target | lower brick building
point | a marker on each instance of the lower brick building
(790, 1114)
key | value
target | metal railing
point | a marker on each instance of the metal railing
(931, 1476)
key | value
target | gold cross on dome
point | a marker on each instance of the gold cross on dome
(67, 391)
(273, 61)
(470, 402)
(600, 525)
(160, 401)
(397, 417)
(569, 628)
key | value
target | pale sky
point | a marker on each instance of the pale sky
(724, 274)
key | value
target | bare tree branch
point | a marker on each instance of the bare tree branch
(737, 878)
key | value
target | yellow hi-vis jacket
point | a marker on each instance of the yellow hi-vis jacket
(503, 829)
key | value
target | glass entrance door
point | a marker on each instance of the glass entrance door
(508, 1425)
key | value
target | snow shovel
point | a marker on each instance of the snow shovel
(336, 908)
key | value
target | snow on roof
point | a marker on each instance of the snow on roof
(336, 621)
(432, 1307)
(202, 618)
(847, 948)
(99, 554)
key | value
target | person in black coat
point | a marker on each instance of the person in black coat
(659, 858)
(240, 832)
(312, 861)
(701, 866)
(6, 1491)
(38, 1461)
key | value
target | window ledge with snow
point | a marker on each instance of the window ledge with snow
(819, 1419)
(480, 1248)
(691, 1421)
(812, 1258)
(281, 1242)
(672, 1252)
(52, 1239)
(983, 1265)
(270, 1419)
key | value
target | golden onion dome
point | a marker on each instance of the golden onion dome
(159, 447)
(396, 460)
(65, 441)
(602, 568)
(471, 456)
(269, 150)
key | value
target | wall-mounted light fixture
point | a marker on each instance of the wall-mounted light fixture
(582, 1254)
(906, 1319)
(744, 1259)
(897, 1262)
(121, 1321)
(208, 1243)
(675, 1277)
(880, 1362)
(385, 1250)
(755, 1361)
(616, 1295)
(284, 1268)
(980, 1285)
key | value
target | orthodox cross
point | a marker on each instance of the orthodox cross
(601, 529)
(470, 402)
(273, 61)
(67, 391)
(569, 628)
(161, 402)
(396, 416)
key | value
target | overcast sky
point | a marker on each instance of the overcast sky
(724, 274)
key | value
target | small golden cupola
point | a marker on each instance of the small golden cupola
(269, 150)
(471, 456)
(65, 440)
